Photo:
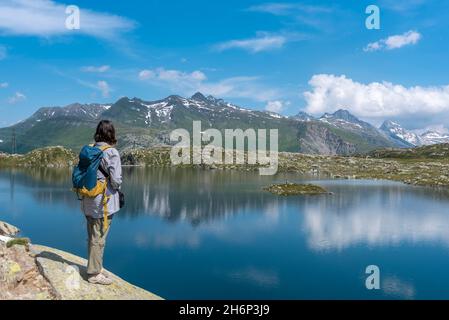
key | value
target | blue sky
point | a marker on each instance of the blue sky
(316, 56)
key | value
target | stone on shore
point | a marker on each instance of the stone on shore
(20, 278)
(8, 230)
(67, 274)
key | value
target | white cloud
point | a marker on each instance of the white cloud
(262, 42)
(376, 99)
(17, 97)
(275, 106)
(175, 75)
(96, 69)
(172, 76)
(395, 42)
(103, 86)
(146, 74)
(187, 83)
(284, 9)
(3, 52)
(318, 17)
(46, 18)
(4, 85)
(240, 87)
(403, 6)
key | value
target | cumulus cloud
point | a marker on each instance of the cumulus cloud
(395, 42)
(275, 106)
(103, 86)
(4, 85)
(190, 82)
(17, 97)
(46, 18)
(262, 42)
(96, 69)
(376, 99)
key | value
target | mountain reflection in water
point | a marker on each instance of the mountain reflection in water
(274, 246)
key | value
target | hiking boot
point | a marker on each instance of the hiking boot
(105, 273)
(100, 279)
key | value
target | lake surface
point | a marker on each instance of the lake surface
(193, 234)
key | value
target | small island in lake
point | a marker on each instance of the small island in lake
(292, 189)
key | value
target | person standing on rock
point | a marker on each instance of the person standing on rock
(99, 209)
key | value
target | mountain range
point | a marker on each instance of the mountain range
(428, 137)
(143, 123)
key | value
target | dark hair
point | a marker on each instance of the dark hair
(105, 132)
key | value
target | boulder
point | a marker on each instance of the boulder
(8, 230)
(19, 276)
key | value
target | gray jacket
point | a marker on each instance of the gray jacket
(93, 207)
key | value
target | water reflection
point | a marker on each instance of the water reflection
(373, 214)
(359, 212)
(397, 288)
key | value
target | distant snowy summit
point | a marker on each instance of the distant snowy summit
(429, 137)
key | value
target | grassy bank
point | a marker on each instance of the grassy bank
(426, 166)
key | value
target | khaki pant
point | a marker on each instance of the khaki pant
(96, 242)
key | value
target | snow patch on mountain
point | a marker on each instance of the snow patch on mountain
(274, 115)
(415, 137)
(396, 131)
(162, 110)
(434, 137)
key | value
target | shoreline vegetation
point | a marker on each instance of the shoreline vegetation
(33, 272)
(422, 166)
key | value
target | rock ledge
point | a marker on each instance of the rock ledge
(35, 272)
(67, 275)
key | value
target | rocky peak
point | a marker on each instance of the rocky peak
(199, 97)
(395, 131)
(388, 124)
(345, 115)
(303, 116)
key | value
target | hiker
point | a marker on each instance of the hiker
(99, 194)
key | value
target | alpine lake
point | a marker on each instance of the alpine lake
(216, 234)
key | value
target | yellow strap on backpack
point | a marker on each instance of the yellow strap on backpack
(105, 211)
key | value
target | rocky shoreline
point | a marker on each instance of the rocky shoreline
(426, 166)
(34, 272)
